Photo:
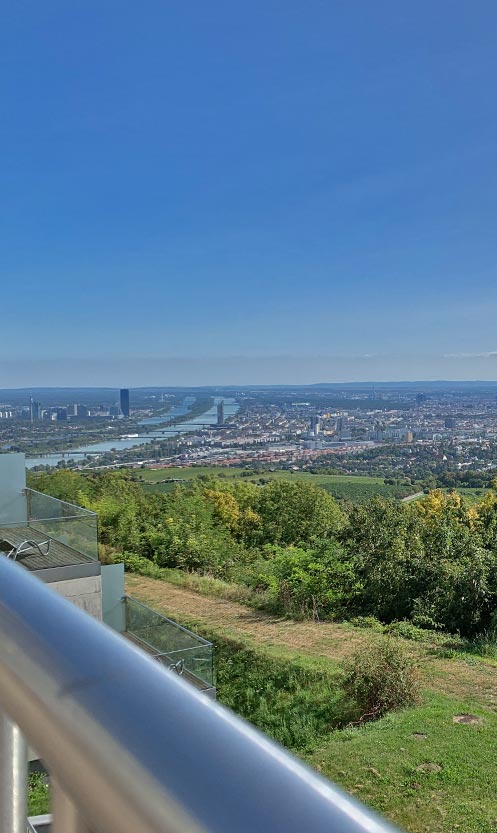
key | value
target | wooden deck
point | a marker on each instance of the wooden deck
(59, 555)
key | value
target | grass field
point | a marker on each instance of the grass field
(191, 472)
(344, 487)
(471, 495)
(424, 771)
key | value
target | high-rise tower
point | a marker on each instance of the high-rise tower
(220, 413)
(124, 401)
(315, 425)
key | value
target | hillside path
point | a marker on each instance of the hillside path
(473, 681)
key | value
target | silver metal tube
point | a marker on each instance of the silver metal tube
(67, 818)
(133, 746)
(13, 778)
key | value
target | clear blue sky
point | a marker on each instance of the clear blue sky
(223, 192)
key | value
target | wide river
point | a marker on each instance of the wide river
(209, 417)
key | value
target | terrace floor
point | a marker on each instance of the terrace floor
(59, 554)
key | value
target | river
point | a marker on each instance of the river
(210, 417)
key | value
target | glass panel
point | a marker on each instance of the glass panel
(196, 661)
(170, 643)
(70, 525)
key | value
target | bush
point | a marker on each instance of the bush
(406, 630)
(381, 679)
(143, 566)
(370, 622)
(305, 583)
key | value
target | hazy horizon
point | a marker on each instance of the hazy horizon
(242, 370)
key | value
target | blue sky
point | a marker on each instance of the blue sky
(222, 192)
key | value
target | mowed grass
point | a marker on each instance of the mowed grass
(418, 767)
(344, 487)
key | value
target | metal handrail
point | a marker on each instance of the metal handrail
(130, 746)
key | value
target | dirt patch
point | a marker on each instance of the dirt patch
(429, 767)
(468, 719)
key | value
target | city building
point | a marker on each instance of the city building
(124, 402)
(34, 410)
(315, 425)
(220, 413)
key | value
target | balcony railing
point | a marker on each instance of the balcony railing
(173, 646)
(64, 522)
(71, 531)
(131, 747)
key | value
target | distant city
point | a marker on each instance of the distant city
(35, 411)
(407, 431)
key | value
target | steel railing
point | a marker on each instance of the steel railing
(129, 746)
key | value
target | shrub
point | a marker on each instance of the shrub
(306, 583)
(406, 630)
(370, 622)
(137, 564)
(381, 679)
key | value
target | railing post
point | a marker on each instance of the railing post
(13, 778)
(66, 816)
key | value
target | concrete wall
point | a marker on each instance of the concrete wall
(13, 507)
(85, 593)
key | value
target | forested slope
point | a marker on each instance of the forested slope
(431, 562)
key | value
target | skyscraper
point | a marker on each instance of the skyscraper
(220, 413)
(315, 425)
(124, 400)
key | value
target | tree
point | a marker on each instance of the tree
(296, 513)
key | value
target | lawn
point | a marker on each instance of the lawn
(417, 766)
